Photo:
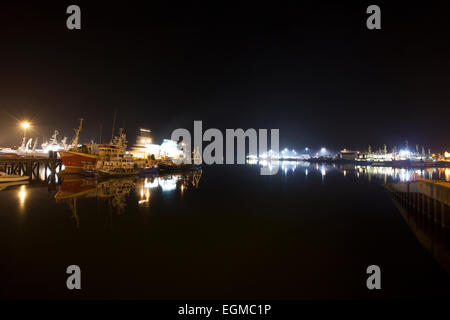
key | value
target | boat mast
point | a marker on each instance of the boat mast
(114, 122)
(74, 143)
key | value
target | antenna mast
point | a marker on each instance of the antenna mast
(114, 123)
(77, 134)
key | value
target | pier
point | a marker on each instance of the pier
(30, 166)
(427, 197)
(432, 237)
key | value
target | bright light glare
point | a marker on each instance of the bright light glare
(25, 125)
(404, 152)
(168, 184)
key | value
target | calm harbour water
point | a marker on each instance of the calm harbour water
(226, 232)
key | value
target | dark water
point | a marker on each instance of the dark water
(308, 232)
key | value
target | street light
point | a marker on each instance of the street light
(25, 125)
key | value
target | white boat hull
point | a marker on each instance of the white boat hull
(13, 178)
(6, 185)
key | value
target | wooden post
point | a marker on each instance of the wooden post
(29, 169)
(416, 201)
(422, 204)
(445, 220)
(435, 210)
(36, 174)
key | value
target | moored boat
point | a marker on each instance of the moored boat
(12, 177)
(149, 170)
(170, 166)
(401, 163)
(381, 163)
(117, 172)
(78, 159)
(114, 160)
(77, 162)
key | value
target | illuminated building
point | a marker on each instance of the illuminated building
(348, 154)
(144, 148)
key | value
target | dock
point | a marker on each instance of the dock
(431, 236)
(427, 197)
(30, 165)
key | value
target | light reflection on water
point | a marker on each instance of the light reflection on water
(116, 192)
(403, 174)
(22, 195)
(432, 237)
(386, 174)
(94, 207)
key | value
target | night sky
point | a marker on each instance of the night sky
(312, 70)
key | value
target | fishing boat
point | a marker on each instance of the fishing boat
(148, 171)
(78, 159)
(114, 160)
(381, 163)
(168, 165)
(422, 163)
(117, 172)
(401, 163)
(77, 162)
(12, 177)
